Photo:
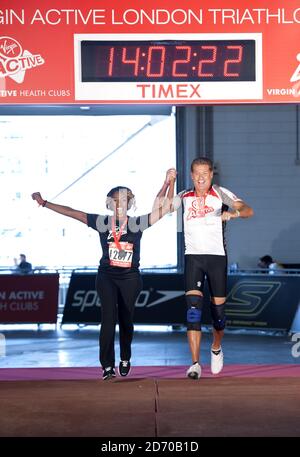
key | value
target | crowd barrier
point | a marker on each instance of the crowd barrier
(254, 300)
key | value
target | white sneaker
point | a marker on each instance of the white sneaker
(216, 361)
(194, 372)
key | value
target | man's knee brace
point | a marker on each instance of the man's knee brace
(218, 316)
(194, 311)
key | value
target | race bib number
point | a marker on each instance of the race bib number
(122, 257)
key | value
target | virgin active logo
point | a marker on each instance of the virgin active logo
(14, 61)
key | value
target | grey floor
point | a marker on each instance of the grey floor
(70, 346)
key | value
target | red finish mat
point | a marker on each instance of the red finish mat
(141, 372)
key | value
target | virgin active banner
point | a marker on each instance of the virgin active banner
(253, 301)
(29, 298)
(168, 52)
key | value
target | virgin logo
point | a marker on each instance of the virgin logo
(9, 47)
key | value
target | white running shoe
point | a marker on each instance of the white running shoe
(216, 361)
(194, 372)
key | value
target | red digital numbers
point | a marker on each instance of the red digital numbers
(175, 71)
(111, 61)
(160, 59)
(238, 60)
(135, 62)
(211, 60)
(206, 60)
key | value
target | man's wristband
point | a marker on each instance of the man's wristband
(237, 213)
(44, 203)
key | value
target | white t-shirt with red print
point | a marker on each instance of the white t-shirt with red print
(203, 226)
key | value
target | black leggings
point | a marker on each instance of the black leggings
(117, 298)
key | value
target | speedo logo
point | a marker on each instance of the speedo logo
(246, 298)
(250, 298)
(83, 299)
(144, 299)
(14, 61)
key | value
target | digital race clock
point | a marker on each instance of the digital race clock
(174, 68)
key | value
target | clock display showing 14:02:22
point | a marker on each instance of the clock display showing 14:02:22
(169, 60)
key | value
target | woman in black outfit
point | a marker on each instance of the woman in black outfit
(118, 280)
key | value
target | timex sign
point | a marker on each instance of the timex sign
(190, 67)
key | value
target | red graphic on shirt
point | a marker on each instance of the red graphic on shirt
(198, 209)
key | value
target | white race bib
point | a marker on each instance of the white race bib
(123, 257)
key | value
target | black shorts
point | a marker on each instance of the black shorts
(212, 267)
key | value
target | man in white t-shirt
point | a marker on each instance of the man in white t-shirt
(207, 208)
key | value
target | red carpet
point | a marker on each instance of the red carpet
(220, 406)
(156, 372)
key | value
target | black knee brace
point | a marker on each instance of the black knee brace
(218, 316)
(194, 311)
